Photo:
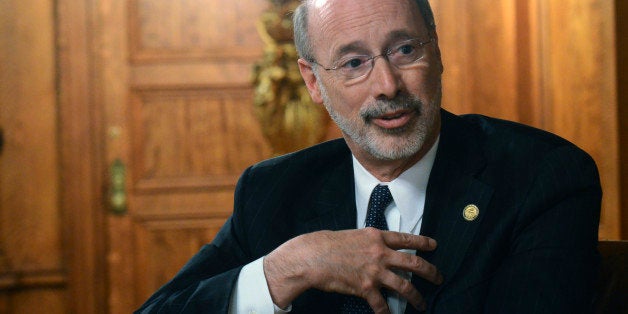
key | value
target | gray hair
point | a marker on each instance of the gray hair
(302, 39)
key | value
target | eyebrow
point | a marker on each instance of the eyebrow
(356, 46)
(359, 46)
(399, 35)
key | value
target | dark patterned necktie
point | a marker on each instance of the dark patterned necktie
(380, 198)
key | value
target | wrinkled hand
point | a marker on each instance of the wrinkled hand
(356, 262)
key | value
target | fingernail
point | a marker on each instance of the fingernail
(432, 242)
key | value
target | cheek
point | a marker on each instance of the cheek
(424, 84)
(346, 101)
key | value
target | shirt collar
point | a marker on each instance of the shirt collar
(408, 190)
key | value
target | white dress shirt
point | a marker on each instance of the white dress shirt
(404, 214)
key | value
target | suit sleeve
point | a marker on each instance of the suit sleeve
(552, 263)
(206, 281)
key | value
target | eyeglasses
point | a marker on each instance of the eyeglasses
(402, 55)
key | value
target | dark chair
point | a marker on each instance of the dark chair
(612, 285)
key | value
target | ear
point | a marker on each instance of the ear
(310, 80)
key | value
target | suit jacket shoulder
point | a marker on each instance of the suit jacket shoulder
(537, 201)
(504, 137)
(289, 195)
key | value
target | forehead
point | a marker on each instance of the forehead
(334, 23)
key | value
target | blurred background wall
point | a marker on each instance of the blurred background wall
(126, 123)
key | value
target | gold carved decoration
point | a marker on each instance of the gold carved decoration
(289, 119)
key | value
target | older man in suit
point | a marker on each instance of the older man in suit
(415, 209)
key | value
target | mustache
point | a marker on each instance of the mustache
(381, 107)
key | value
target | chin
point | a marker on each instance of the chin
(394, 146)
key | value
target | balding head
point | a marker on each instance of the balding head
(301, 35)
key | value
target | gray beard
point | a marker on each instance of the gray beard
(388, 144)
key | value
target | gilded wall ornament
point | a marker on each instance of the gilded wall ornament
(288, 117)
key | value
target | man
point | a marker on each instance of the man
(468, 215)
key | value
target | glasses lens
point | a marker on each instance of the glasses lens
(354, 66)
(407, 52)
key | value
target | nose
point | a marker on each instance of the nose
(385, 80)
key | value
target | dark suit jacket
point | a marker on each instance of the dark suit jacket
(532, 249)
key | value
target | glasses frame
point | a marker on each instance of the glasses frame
(371, 59)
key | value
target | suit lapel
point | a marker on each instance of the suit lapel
(452, 187)
(333, 206)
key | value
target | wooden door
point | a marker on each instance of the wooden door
(173, 79)
(32, 261)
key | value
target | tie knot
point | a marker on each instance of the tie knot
(380, 198)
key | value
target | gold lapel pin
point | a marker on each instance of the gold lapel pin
(470, 212)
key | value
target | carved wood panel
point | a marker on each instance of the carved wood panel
(165, 246)
(193, 138)
(478, 45)
(32, 260)
(191, 29)
(621, 42)
(175, 85)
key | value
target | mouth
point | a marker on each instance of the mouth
(393, 120)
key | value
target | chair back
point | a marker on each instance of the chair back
(612, 286)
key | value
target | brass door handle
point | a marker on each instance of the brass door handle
(117, 192)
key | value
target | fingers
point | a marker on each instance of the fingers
(409, 262)
(376, 301)
(393, 282)
(416, 265)
(399, 240)
(357, 262)
(405, 289)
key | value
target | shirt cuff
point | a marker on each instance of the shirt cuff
(251, 294)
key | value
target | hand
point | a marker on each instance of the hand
(356, 262)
